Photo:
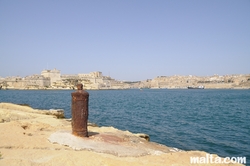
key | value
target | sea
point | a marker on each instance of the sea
(215, 121)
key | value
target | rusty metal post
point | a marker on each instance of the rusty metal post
(79, 110)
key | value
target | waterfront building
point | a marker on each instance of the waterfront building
(37, 81)
(53, 74)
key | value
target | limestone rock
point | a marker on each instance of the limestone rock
(9, 112)
(24, 141)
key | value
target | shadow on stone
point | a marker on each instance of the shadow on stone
(92, 133)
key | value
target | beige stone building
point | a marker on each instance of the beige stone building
(29, 82)
(54, 75)
(37, 81)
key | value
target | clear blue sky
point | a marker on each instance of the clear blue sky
(126, 39)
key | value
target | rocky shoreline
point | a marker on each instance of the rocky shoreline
(40, 137)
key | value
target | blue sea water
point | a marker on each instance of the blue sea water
(215, 121)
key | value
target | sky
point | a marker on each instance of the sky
(129, 40)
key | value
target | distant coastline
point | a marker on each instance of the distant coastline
(54, 80)
(64, 89)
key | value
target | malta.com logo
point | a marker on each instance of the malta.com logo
(212, 159)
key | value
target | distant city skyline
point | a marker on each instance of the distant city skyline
(63, 74)
(127, 40)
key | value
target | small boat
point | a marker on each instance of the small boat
(198, 87)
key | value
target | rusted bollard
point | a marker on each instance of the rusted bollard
(79, 110)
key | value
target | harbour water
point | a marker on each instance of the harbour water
(215, 121)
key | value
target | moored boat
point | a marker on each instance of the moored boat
(198, 87)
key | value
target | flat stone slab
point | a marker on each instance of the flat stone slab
(111, 143)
